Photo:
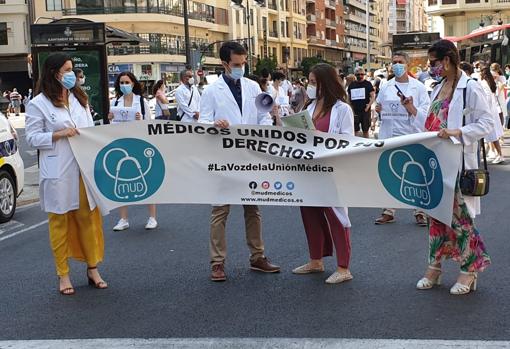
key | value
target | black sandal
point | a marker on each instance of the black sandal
(101, 285)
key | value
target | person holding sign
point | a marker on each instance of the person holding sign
(75, 224)
(188, 98)
(361, 96)
(230, 100)
(459, 110)
(129, 105)
(326, 227)
(402, 104)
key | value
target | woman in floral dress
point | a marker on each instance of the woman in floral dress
(459, 241)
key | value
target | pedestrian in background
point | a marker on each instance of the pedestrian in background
(15, 99)
(128, 92)
(459, 240)
(158, 91)
(402, 95)
(362, 96)
(75, 224)
(490, 87)
(326, 227)
(187, 98)
(298, 98)
(499, 78)
(230, 100)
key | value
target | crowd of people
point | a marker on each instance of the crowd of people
(459, 106)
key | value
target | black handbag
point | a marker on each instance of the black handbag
(473, 182)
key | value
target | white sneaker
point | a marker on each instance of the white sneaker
(151, 223)
(499, 159)
(123, 224)
(491, 155)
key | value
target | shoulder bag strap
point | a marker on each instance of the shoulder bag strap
(142, 106)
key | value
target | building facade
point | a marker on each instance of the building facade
(398, 17)
(460, 17)
(14, 45)
(325, 30)
(160, 23)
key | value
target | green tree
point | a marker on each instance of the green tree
(268, 63)
(308, 62)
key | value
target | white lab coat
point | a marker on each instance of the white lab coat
(479, 123)
(59, 172)
(218, 103)
(414, 124)
(182, 97)
(341, 121)
(136, 104)
(492, 101)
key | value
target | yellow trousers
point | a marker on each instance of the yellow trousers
(77, 234)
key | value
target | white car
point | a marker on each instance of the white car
(12, 176)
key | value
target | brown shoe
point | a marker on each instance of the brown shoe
(262, 264)
(385, 218)
(218, 272)
(421, 220)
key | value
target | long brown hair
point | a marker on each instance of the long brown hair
(487, 76)
(137, 87)
(329, 87)
(51, 87)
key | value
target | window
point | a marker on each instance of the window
(3, 34)
(53, 5)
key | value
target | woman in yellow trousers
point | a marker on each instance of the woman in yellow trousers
(75, 224)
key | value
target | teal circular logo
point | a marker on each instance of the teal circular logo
(129, 170)
(412, 175)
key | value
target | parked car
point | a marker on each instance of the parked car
(12, 176)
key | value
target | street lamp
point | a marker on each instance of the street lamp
(238, 5)
(186, 32)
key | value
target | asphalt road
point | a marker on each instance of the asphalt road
(160, 288)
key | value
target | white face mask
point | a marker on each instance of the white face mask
(81, 81)
(311, 91)
(191, 81)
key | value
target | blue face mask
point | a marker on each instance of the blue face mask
(237, 73)
(68, 80)
(126, 89)
(399, 69)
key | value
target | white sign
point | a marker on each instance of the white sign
(393, 110)
(357, 94)
(123, 114)
(155, 162)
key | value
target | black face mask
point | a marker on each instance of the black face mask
(359, 78)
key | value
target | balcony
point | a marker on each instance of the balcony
(151, 50)
(273, 34)
(330, 4)
(311, 18)
(440, 7)
(71, 11)
(330, 23)
(272, 5)
(357, 3)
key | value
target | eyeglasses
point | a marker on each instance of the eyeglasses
(359, 74)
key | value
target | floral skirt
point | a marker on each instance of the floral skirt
(461, 242)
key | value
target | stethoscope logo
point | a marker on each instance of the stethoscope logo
(412, 175)
(129, 170)
(409, 190)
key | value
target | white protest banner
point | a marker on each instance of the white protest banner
(393, 110)
(123, 114)
(170, 162)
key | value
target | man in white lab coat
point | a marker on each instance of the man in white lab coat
(230, 100)
(403, 104)
(187, 97)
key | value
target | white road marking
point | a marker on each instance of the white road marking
(21, 232)
(253, 343)
(9, 226)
